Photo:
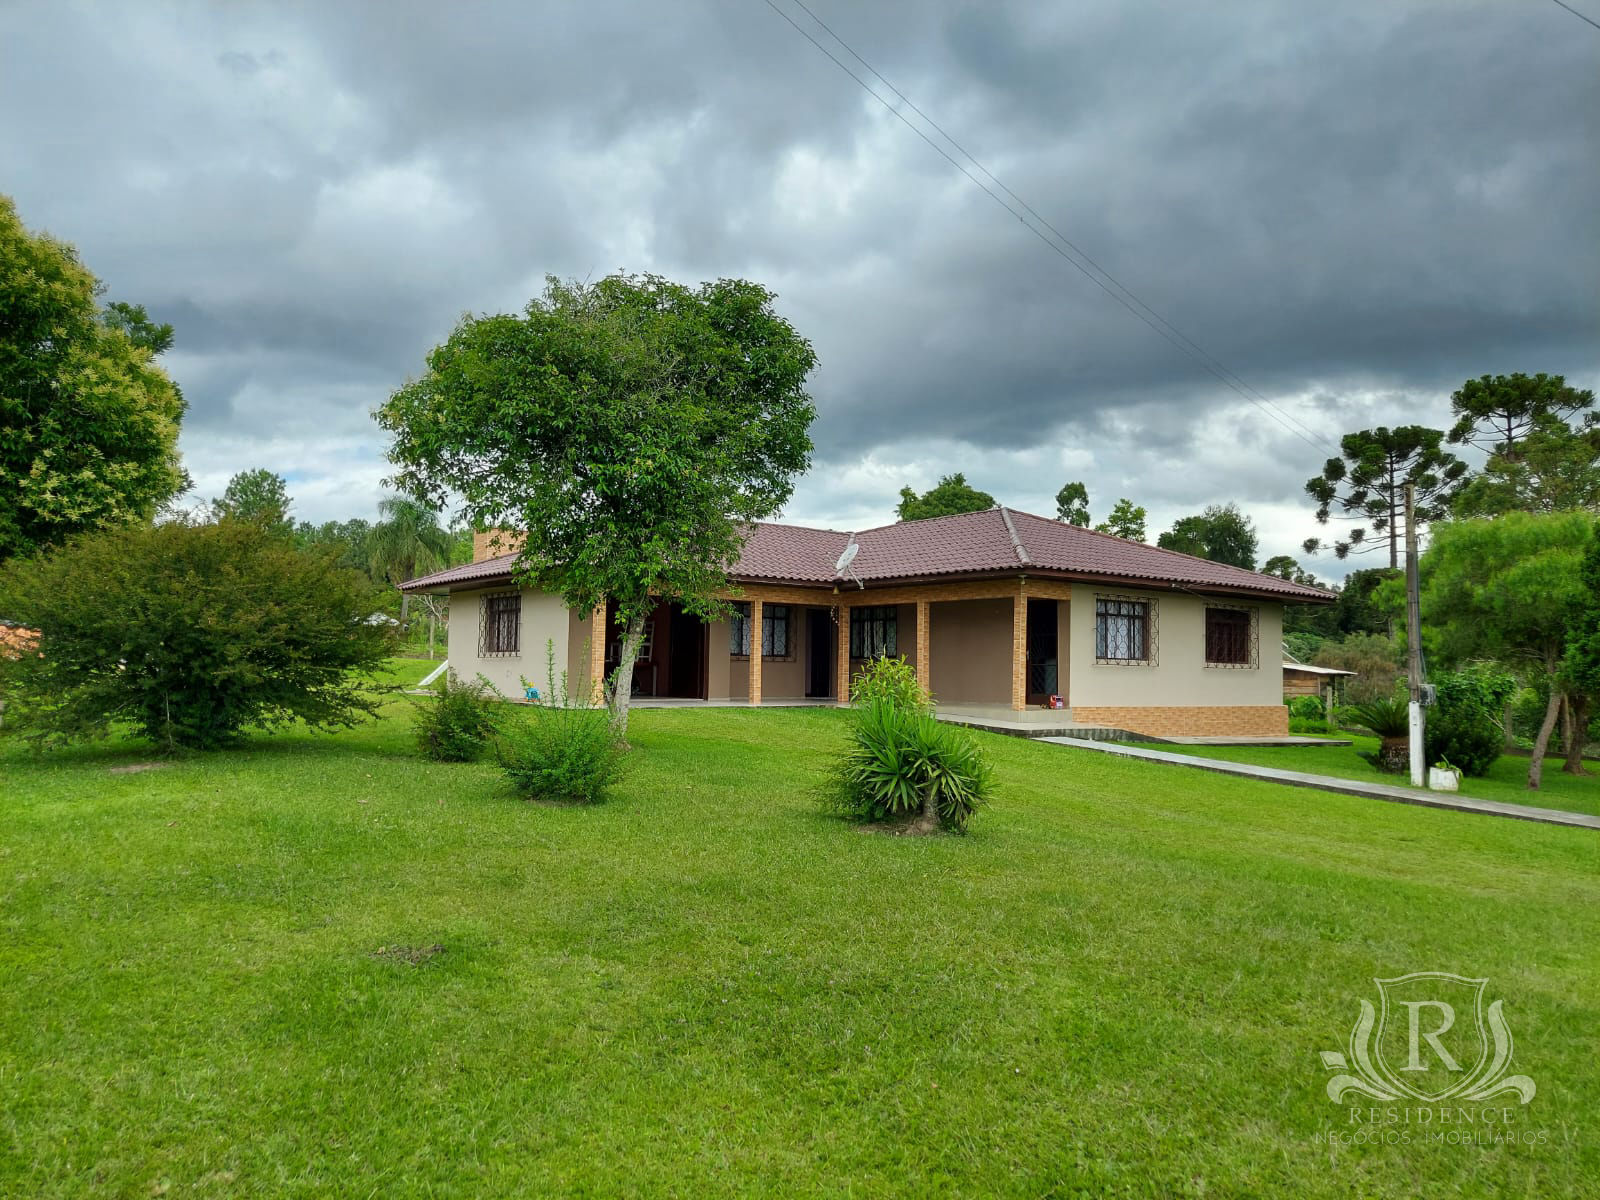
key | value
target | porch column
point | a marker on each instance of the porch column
(842, 690)
(924, 638)
(597, 654)
(755, 652)
(1019, 650)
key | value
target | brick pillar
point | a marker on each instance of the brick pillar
(598, 633)
(924, 641)
(1019, 650)
(755, 652)
(842, 666)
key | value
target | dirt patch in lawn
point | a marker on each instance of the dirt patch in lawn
(135, 768)
(414, 956)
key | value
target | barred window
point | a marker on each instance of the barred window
(1121, 630)
(1228, 637)
(774, 630)
(873, 631)
(500, 624)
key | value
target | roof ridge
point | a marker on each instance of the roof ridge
(1016, 542)
(976, 512)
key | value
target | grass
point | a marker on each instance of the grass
(1506, 782)
(320, 966)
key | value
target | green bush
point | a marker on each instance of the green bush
(561, 748)
(903, 764)
(1389, 717)
(1464, 726)
(456, 723)
(1308, 725)
(189, 633)
(1307, 708)
(890, 681)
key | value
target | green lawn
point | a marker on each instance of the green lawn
(1507, 781)
(218, 978)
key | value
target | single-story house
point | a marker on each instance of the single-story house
(994, 608)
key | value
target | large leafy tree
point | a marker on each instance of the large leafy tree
(88, 422)
(1495, 412)
(1510, 590)
(951, 495)
(1072, 504)
(1366, 486)
(1221, 533)
(1553, 468)
(632, 428)
(191, 633)
(1126, 521)
(259, 496)
(1580, 669)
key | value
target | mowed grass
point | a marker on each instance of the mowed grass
(1506, 782)
(318, 966)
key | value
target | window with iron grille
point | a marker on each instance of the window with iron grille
(500, 624)
(774, 630)
(874, 632)
(1230, 637)
(1121, 630)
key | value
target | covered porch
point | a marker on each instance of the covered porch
(994, 643)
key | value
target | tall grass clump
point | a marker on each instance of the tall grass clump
(564, 748)
(457, 721)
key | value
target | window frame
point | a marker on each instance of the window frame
(777, 625)
(1250, 633)
(1147, 629)
(495, 617)
(865, 640)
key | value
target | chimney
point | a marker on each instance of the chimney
(492, 543)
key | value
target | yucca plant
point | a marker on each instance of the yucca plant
(1390, 719)
(903, 765)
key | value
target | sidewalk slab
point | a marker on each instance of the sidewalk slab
(1349, 787)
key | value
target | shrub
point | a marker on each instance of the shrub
(1374, 658)
(890, 681)
(1464, 727)
(1307, 708)
(1308, 725)
(562, 748)
(189, 633)
(457, 722)
(903, 764)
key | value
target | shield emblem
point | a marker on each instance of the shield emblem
(1430, 1041)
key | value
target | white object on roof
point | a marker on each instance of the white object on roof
(1310, 670)
(846, 557)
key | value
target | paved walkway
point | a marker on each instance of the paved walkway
(1350, 787)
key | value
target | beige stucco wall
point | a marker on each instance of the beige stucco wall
(544, 619)
(1179, 676)
(970, 651)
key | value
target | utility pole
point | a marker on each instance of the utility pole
(1414, 642)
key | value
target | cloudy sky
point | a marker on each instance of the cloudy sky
(1352, 206)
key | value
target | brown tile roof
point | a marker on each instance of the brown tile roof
(997, 540)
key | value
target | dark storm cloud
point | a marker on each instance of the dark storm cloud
(1354, 207)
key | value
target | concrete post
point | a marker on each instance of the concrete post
(924, 640)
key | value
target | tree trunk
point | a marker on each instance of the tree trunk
(1576, 733)
(927, 821)
(1542, 742)
(619, 688)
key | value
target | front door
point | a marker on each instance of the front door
(819, 652)
(1043, 674)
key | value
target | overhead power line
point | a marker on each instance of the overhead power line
(1048, 233)
(1577, 14)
